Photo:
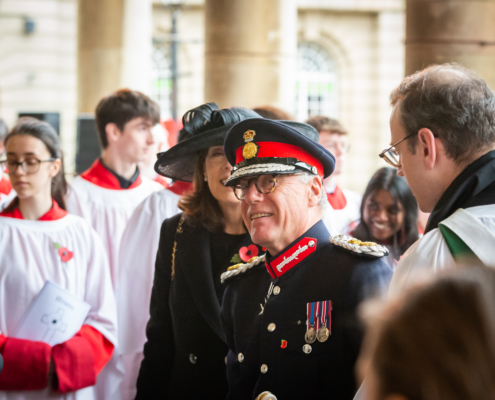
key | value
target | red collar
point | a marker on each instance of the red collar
(53, 214)
(5, 186)
(291, 257)
(337, 199)
(180, 187)
(102, 177)
(161, 180)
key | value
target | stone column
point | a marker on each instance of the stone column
(461, 31)
(100, 50)
(137, 45)
(250, 52)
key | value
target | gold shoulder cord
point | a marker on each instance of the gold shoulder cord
(179, 230)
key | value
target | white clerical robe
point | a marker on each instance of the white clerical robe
(475, 226)
(137, 257)
(97, 197)
(64, 249)
(343, 210)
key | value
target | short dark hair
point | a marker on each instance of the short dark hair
(120, 108)
(454, 103)
(386, 178)
(3, 130)
(321, 123)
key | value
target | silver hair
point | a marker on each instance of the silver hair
(306, 177)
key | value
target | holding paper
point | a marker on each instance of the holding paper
(54, 316)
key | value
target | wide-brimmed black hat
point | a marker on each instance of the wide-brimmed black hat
(261, 146)
(203, 127)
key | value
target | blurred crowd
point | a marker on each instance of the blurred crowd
(236, 264)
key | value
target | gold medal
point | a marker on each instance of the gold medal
(323, 334)
(310, 335)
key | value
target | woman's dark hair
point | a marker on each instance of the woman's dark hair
(44, 132)
(387, 179)
(200, 206)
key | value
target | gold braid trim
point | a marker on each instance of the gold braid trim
(179, 230)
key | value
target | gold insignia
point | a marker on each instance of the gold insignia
(252, 259)
(357, 241)
(248, 136)
(249, 150)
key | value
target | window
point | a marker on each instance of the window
(317, 82)
(161, 87)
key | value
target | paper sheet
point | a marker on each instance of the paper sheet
(54, 316)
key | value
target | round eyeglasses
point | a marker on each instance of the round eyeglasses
(264, 184)
(391, 155)
(29, 166)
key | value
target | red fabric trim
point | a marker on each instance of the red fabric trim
(180, 187)
(282, 150)
(26, 364)
(55, 213)
(161, 180)
(102, 177)
(79, 360)
(5, 185)
(337, 199)
(280, 266)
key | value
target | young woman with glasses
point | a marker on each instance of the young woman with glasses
(40, 242)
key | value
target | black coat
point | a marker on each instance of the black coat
(267, 363)
(184, 357)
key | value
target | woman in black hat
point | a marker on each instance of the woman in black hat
(185, 355)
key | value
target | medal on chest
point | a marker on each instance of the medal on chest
(319, 321)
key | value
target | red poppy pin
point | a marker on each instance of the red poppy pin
(245, 254)
(64, 253)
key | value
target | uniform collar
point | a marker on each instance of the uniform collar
(53, 214)
(310, 242)
(101, 176)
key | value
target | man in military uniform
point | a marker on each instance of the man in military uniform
(290, 316)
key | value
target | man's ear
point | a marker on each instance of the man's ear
(427, 147)
(113, 132)
(315, 192)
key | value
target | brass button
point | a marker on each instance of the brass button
(264, 368)
(299, 322)
(271, 327)
(276, 290)
(307, 348)
(193, 358)
(240, 357)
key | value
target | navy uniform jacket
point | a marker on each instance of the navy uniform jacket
(259, 360)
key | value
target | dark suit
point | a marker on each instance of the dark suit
(267, 350)
(184, 357)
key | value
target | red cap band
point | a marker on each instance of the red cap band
(282, 150)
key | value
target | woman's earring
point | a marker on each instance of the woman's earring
(206, 178)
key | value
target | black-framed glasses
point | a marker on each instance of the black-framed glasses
(391, 155)
(29, 165)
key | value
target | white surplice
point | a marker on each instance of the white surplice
(29, 258)
(138, 250)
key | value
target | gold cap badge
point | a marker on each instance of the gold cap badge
(250, 149)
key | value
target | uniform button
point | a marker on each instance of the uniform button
(240, 357)
(193, 358)
(271, 327)
(299, 322)
(276, 290)
(307, 348)
(264, 368)
(311, 243)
